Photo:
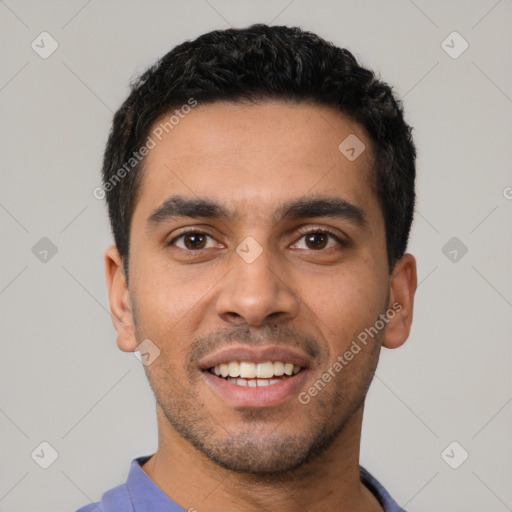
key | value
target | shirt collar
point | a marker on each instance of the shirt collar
(145, 495)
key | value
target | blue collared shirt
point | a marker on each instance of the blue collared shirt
(141, 494)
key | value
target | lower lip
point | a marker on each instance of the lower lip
(263, 396)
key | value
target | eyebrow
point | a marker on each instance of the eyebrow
(176, 206)
(310, 207)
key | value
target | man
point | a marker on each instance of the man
(260, 186)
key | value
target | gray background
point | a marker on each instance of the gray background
(62, 378)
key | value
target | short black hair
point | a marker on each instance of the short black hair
(252, 64)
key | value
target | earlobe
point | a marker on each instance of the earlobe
(120, 301)
(401, 300)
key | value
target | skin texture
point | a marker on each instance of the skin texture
(316, 298)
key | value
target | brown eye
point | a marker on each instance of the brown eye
(317, 240)
(192, 241)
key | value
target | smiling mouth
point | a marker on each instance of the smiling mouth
(247, 374)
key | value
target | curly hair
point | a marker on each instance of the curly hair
(253, 64)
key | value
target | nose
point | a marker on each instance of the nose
(256, 292)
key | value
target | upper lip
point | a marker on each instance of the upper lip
(254, 355)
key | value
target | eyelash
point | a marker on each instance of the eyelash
(312, 231)
(302, 232)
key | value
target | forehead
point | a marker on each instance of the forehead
(255, 157)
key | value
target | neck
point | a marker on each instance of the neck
(329, 482)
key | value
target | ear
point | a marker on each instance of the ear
(120, 302)
(401, 299)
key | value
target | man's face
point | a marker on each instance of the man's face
(252, 285)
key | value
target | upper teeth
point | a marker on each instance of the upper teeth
(247, 370)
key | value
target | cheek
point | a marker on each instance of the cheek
(173, 299)
(345, 304)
